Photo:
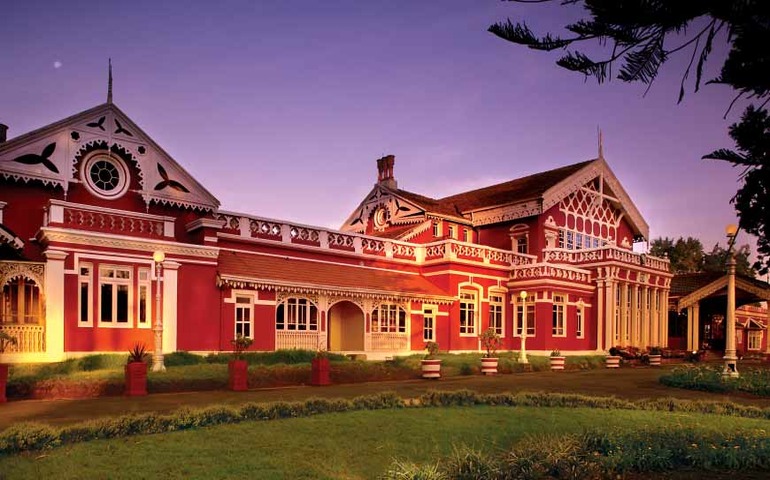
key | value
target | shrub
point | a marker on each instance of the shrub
(177, 359)
(710, 379)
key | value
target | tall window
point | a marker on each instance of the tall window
(530, 319)
(85, 295)
(145, 300)
(389, 318)
(467, 312)
(579, 321)
(451, 231)
(496, 313)
(243, 323)
(299, 314)
(436, 228)
(115, 296)
(755, 340)
(429, 324)
(558, 316)
(466, 235)
(522, 244)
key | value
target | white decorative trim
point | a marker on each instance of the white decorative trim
(506, 213)
(95, 239)
(204, 223)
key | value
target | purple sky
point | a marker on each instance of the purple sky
(280, 108)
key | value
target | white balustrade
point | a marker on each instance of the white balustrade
(29, 338)
(288, 339)
(389, 341)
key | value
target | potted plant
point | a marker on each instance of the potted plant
(557, 360)
(136, 371)
(431, 366)
(491, 342)
(320, 369)
(5, 340)
(655, 355)
(238, 368)
(613, 359)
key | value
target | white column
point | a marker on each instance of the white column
(646, 318)
(696, 326)
(609, 313)
(54, 304)
(654, 318)
(664, 318)
(624, 314)
(600, 312)
(731, 360)
(170, 276)
(634, 337)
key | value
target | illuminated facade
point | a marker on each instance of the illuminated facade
(85, 202)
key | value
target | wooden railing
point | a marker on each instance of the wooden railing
(285, 339)
(604, 254)
(389, 341)
(88, 217)
(29, 338)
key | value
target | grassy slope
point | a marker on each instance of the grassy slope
(348, 445)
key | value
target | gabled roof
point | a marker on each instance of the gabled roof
(49, 154)
(315, 275)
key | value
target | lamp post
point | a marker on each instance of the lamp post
(731, 360)
(157, 356)
(523, 351)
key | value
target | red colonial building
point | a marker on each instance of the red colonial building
(84, 203)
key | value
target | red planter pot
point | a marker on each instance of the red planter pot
(319, 372)
(136, 379)
(431, 369)
(489, 365)
(3, 382)
(238, 375)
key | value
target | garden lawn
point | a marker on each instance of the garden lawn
(350, 445)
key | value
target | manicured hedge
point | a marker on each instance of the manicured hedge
(709, 378)
(29, 436)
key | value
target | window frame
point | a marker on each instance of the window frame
(87, 281)
(116, 283)
(429, 316)
(754, 337)
(299, 312)
(468, 306)
(580, 329)
(497, 312)
(391, 315)
(531, 320)
(558, 315)
(147, 285)
(436, 229)
(241, 306)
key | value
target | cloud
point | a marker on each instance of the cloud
(57, 64)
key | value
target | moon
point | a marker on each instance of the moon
(57, 64)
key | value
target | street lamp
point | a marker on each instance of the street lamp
(523, 351)
(731, 360)
(157, 357)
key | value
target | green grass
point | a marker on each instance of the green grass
(358, 444)
(755, 381)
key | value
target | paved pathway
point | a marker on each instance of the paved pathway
(630, 383)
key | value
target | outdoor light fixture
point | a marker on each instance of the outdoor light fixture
(157, 357)
(731, 360)
(523, 351)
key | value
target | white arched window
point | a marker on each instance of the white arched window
(388, 318)
(297, 314)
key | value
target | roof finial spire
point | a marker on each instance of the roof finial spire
(109, 83)
(601, 143)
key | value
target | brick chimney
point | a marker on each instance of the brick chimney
(3, 133)
(385, 171)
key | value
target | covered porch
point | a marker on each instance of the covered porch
(698, 312)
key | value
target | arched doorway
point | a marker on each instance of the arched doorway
(346, 327)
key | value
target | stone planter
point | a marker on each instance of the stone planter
(238, 375)
(319, 371)
(557, 363)
(431, 369)
(655, 360)
(489, 365)
(612, 361)
(136, 379)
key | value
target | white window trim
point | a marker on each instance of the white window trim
(501, 304)
(533, 324)
(451, 231)
(130, 282)
(430, 311)
(754, 333)
(386, 307)
(436, 228)
(89, 279)
(250, 307)
(580, 321)
(148, 284)
(563, 305)
(476, 311)
(308, 309)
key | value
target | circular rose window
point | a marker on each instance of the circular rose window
(105, 176)
(380, 217)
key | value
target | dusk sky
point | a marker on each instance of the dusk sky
(280, 108)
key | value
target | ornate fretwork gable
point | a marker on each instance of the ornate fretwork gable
(590, 211)
(598, 177)
(506, 213)
(51, 155)
(384, 208)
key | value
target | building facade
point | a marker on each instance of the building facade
(86, 201)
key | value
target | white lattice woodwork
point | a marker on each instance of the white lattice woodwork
(389, 341)
(29, 338)
(287, 340)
